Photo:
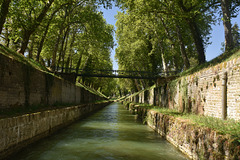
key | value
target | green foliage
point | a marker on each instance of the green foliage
(152, 36)
(171, 112)
(61, 33)
(160, 36)
(13, 55)
(230, 126)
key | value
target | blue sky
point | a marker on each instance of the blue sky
(213, 50)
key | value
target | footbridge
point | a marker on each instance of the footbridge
(120, 73)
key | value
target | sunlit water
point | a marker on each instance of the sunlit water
(111, 134)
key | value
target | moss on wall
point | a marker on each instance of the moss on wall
(180, 87)
(196, 141)
(49, 81)
(27, 81)
(2, 69)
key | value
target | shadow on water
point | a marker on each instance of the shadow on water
(112, 133)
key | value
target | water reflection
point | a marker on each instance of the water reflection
(111, 133)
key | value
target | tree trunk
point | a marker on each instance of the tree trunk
(134, 86)
(165, 69)
(71, 46)
(7, 40)
(3, 13)
(137, 85)
(227, 25)
(197, 40)
(48, 62)
(26, 36)
(78, 64)
(62, 47)
(182, 48)
(64, 50)
(44, 37)
(54, 57)
(86, 62)
(41, 43)
(176, 63)
(67, 65)
(30, 51)
(164, 63)
(142, 82)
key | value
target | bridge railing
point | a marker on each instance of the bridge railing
(117, 73)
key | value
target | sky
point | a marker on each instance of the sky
(213, 50)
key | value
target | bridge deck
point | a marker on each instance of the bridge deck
(120, 73)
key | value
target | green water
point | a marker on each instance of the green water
(111, 134)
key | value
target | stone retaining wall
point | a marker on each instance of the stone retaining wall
(199, 93)
(18, 132)
(195, 141)
(23, 86)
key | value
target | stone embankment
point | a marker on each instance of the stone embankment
(195, 141)
(18, 132)
(23, 87)
(214, 91)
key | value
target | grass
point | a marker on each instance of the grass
(230, 126)
(171, 112)
(19, 57)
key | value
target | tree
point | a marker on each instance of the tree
(60, 33)
(236, 35)
(230, 8)
(196, 14)
(3, 13)
(227, 24)
(34, 17)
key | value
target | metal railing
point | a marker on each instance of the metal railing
(118, 73)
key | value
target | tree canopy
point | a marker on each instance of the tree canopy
(152, 35)
(60, 34)
(166, 35)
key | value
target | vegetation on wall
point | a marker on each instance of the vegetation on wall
(230, 126)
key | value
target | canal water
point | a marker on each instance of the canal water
(110, 134)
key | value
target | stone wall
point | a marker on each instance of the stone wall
(195, 141)
(23, 86)
(200, 93)
(18, 132)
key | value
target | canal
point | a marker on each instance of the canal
(110, 134)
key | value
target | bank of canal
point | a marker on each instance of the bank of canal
(112, 133)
